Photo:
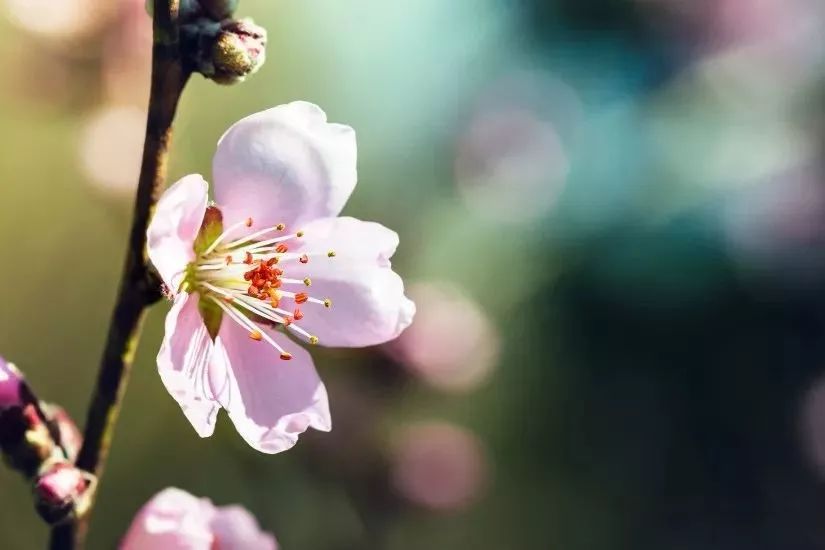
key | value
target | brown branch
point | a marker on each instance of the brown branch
(139, 288)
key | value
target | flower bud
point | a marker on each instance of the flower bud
(226, 52)
(70, 437)
(61, 492)
(10, 382)
(239, 50)
(25, 439)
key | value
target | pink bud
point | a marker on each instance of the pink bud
(61, 492)
(61, 483)
(10, 381)
(70, 437)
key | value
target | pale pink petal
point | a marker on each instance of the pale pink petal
(183, 363)
(284, 165)
(10, 381)
(368, 302)
(172, 520)
(175, 226)
(236, 529)
(271, 401)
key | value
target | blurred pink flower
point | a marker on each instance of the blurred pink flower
(10, 381)
(439, 466)
(448, 359)
(236, 262)
(174, 519)
(511, 160)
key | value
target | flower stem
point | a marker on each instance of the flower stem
(139, 286)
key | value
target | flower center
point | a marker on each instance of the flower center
(247, 279)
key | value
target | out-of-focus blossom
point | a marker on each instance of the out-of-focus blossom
(63, 19)
(439, 466)
(453, 345)
(511, 162)
(110, 148)
(238, 274)
(10, 381)
(778, 228)
(174, 519)
(127, 55)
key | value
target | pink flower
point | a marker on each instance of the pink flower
(175, 520)
(10, 381)
(268, 261)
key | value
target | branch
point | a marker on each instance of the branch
(139, 287)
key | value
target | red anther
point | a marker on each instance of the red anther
(276, 283)
(258, 281)
(248, 258)
(286, 356)
(272, 261)
(228, 260)
(281, 248)
(252, 291)
(256, 335)
(301, 297)
(277, 272)
(288, 320)
(304, 259)
(248, 276)
(298, 314)
(249, 222)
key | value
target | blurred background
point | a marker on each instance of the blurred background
(612, 219)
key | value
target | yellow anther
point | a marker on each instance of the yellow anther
(313, 340)
(308, 281)
(331, 254)
(299, 234)
(280, 227)
(327, 302)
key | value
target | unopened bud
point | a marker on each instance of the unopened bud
(61, 492)
(226, 52)
(239, 50)
(10, 382)
(70, 437)
(25, 439)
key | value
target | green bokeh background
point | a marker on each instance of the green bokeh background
(650, 379)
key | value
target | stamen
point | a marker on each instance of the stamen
(223, 235)
(249, 325)
(253, 236)
(331, 254)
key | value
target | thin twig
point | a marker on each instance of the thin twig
(139, 287)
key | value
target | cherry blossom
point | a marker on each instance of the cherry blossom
(270, 262)
(174, 519)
